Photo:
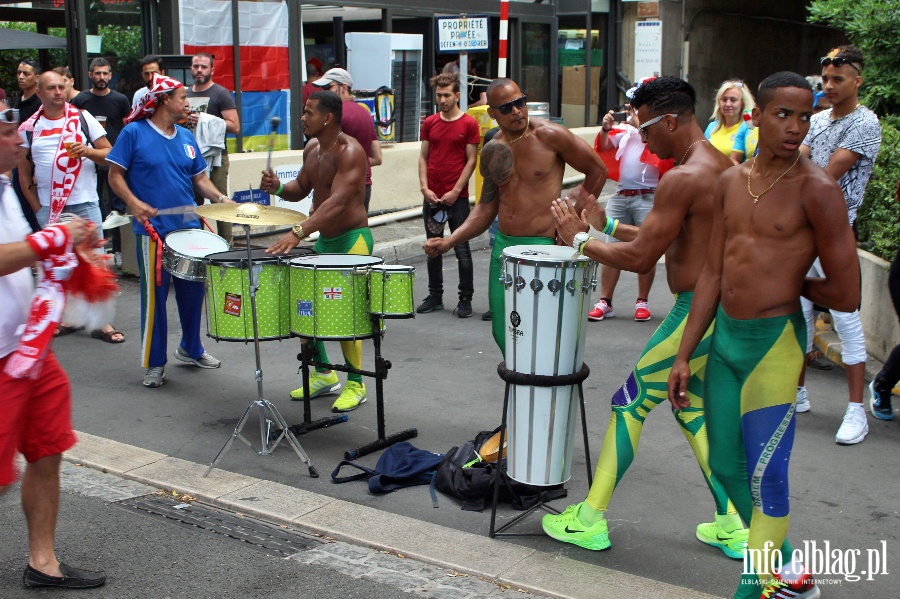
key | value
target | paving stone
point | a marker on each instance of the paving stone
(93, 483)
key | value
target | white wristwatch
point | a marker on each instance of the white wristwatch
(579, 239)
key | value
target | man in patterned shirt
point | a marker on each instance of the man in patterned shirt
(844, 140)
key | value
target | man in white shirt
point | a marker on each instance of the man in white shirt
(149, 64)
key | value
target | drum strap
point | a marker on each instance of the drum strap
(159, 251)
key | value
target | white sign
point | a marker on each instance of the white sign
(286, 174)
(462, 34)
(647, 49)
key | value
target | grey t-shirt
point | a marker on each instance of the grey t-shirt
(858, 132)
(213, 100)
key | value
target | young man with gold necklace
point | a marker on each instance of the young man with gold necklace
(772, 217)
(844, 140)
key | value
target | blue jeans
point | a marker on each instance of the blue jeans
(88, 211)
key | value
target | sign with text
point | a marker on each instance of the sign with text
(647, 49)
(462, 34)
(286, 174)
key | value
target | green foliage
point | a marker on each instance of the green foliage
(878, 225)
(873, 26)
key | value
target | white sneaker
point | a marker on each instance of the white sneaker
(204, 361)
(802, 400)
(854, 428)
(115, 220)
(601, 310)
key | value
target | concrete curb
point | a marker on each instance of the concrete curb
(409, 250)
(498, 561)
(828, 343)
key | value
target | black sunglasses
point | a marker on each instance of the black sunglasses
(10, 116)
(507, 107)
(838, 61)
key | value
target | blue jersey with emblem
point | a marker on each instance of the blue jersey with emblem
(159, 171)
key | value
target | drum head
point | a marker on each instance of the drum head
(195, 243)
(239, 257)
(533, 254)
(335, 261)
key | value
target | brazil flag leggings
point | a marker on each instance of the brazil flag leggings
(751, 388)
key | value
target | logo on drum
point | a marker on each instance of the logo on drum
(515, 319)
(232, 304)
(332, 293)
(189, 151)
(304, 308)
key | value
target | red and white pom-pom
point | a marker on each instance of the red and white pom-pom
(92, 290)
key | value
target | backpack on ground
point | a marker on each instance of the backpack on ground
(401, 465)
(465, 476)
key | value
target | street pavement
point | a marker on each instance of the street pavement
(444, 383)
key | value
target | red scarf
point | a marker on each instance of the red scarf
(159, 85)
(65, 170)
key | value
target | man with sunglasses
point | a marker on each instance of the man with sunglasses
(844, 140)
(678, 226)
(35, 419)
(523, 169)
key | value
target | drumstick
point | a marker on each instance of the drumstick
(275, 121)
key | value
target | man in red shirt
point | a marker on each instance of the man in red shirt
(357, 121)
(449, 150)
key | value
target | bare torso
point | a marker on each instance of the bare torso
(770, 245)
(347, 157)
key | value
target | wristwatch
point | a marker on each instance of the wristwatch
(579, 239)
(298, 231)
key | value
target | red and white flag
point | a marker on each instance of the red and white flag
(206, 27)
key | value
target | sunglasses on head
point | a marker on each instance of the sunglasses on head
(10, 116)
(838, 61)
(507, 107)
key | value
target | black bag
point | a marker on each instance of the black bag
(401, 465)
(463, 475)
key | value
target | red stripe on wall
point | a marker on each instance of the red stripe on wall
(263, 68)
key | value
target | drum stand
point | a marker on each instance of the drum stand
(268, 413)
(381, 371)
(517, 378)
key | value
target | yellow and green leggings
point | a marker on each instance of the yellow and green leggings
(750, 389)
(358, 242)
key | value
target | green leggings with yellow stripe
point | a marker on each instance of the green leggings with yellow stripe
(358, 242)
(644, 390)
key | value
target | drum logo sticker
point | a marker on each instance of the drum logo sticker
(515, 320)
(189, 151)
(304, 308)
(232, 304)
(332, 293)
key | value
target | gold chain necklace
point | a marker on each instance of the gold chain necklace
(319, 151)
(680, 162)
(750, 174)
(527, 131)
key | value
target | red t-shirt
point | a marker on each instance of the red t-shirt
(357, 122)
(447, 150)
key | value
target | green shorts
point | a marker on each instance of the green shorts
(355, 241)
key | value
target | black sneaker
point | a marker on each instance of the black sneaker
(486, 315)
(463, 309)
(431, 304)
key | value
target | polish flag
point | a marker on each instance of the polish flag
(206, 27)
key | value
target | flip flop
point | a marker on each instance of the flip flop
(63, 329)
(108, 335)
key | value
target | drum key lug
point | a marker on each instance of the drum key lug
(506, 280)
(520, 283)
(594, 284)
(570, 287)
(254, 275)
(536, 285)
(554, 286)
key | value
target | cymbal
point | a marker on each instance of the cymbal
(251, 214)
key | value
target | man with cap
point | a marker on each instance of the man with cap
(357, 121)
(157, 165)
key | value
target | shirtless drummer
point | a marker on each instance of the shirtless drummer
(523, 170)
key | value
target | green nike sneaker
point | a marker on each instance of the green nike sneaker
(320, 383)
(352, 397)
(566, 527)
(733, 544)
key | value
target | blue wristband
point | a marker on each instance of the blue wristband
(607, 230)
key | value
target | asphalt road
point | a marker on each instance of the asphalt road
(444, 382)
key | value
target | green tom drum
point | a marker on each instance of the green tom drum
(391, 291)
(329, 296)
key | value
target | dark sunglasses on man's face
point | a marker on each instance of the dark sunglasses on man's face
(10, 116)
(838, 61)
(507, 107)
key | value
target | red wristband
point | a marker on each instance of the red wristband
(50, 241)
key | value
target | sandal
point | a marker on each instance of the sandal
(63, 329)
(108, 335)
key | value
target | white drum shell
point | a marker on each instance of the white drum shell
(547, 298)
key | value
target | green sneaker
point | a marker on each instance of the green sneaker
(320, 383)
(353, 395)
(733, 544)
(566, 527)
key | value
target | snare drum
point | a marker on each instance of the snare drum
(547, 300)
(229, 316)
(391, 291)
(328, 296)
(185, 250)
